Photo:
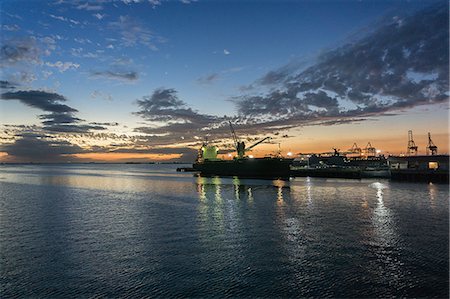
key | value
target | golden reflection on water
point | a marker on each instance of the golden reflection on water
(383, 220)
(432, 190)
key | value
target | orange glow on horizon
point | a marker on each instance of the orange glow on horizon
(113, 157)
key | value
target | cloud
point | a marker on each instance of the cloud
(90, 6)
(7, 85)
(134, 33)
(14, 51)
(58, 118)
(46, 101)
(64, 19)
(61, 117)
(226, 52)
(110, 124)
(101, 95)
(67, 123)
(211, 78)
(392, 68)
(12, 27)
(117, 75)
(164, 105)
(99, 16)
(71, 128)
(63, 66)
(34, 148)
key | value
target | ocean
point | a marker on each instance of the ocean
(145, 230)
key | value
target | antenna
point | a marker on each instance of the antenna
(412, 147)
(431, 148)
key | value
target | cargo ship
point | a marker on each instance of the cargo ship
(242, 165)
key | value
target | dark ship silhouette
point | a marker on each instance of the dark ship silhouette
(208, 163)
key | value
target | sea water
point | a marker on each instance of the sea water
(111, 230)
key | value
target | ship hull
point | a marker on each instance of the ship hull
(249, 168)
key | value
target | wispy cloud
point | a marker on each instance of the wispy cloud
(99, 16)
(90, 6)
(96, 94)
(213, 77)
(134, 33)
(12, 27)
(64, 19)
(208, 79)
(63, 66)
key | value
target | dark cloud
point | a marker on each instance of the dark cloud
(7, 85)
(401, 64)
(47, 101)
(58, 118)
(71, 128)
(109, 124)
(62, 118)
(117, 75)
(67, 123)
(36, 149)
(164, 105)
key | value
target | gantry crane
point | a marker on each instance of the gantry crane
(370, 150)
(412, 147)
(431, 148)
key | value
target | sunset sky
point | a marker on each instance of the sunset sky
(132, 80)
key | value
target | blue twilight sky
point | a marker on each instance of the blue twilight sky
(192, 62)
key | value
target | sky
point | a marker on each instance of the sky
(131, 80)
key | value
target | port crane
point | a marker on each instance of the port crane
(355, 149)
(412, 147)
(431, 148)
(370, 150)
(240, 145)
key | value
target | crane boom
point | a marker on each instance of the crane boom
(235, 139)
(255, 144)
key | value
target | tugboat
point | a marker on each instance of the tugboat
(208, 164)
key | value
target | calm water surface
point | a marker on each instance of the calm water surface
(146, 230)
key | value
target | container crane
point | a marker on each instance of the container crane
(355, 149)
(431, 148)
(412, 147)
(370, 150)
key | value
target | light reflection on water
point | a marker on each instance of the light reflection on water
(145, 230)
